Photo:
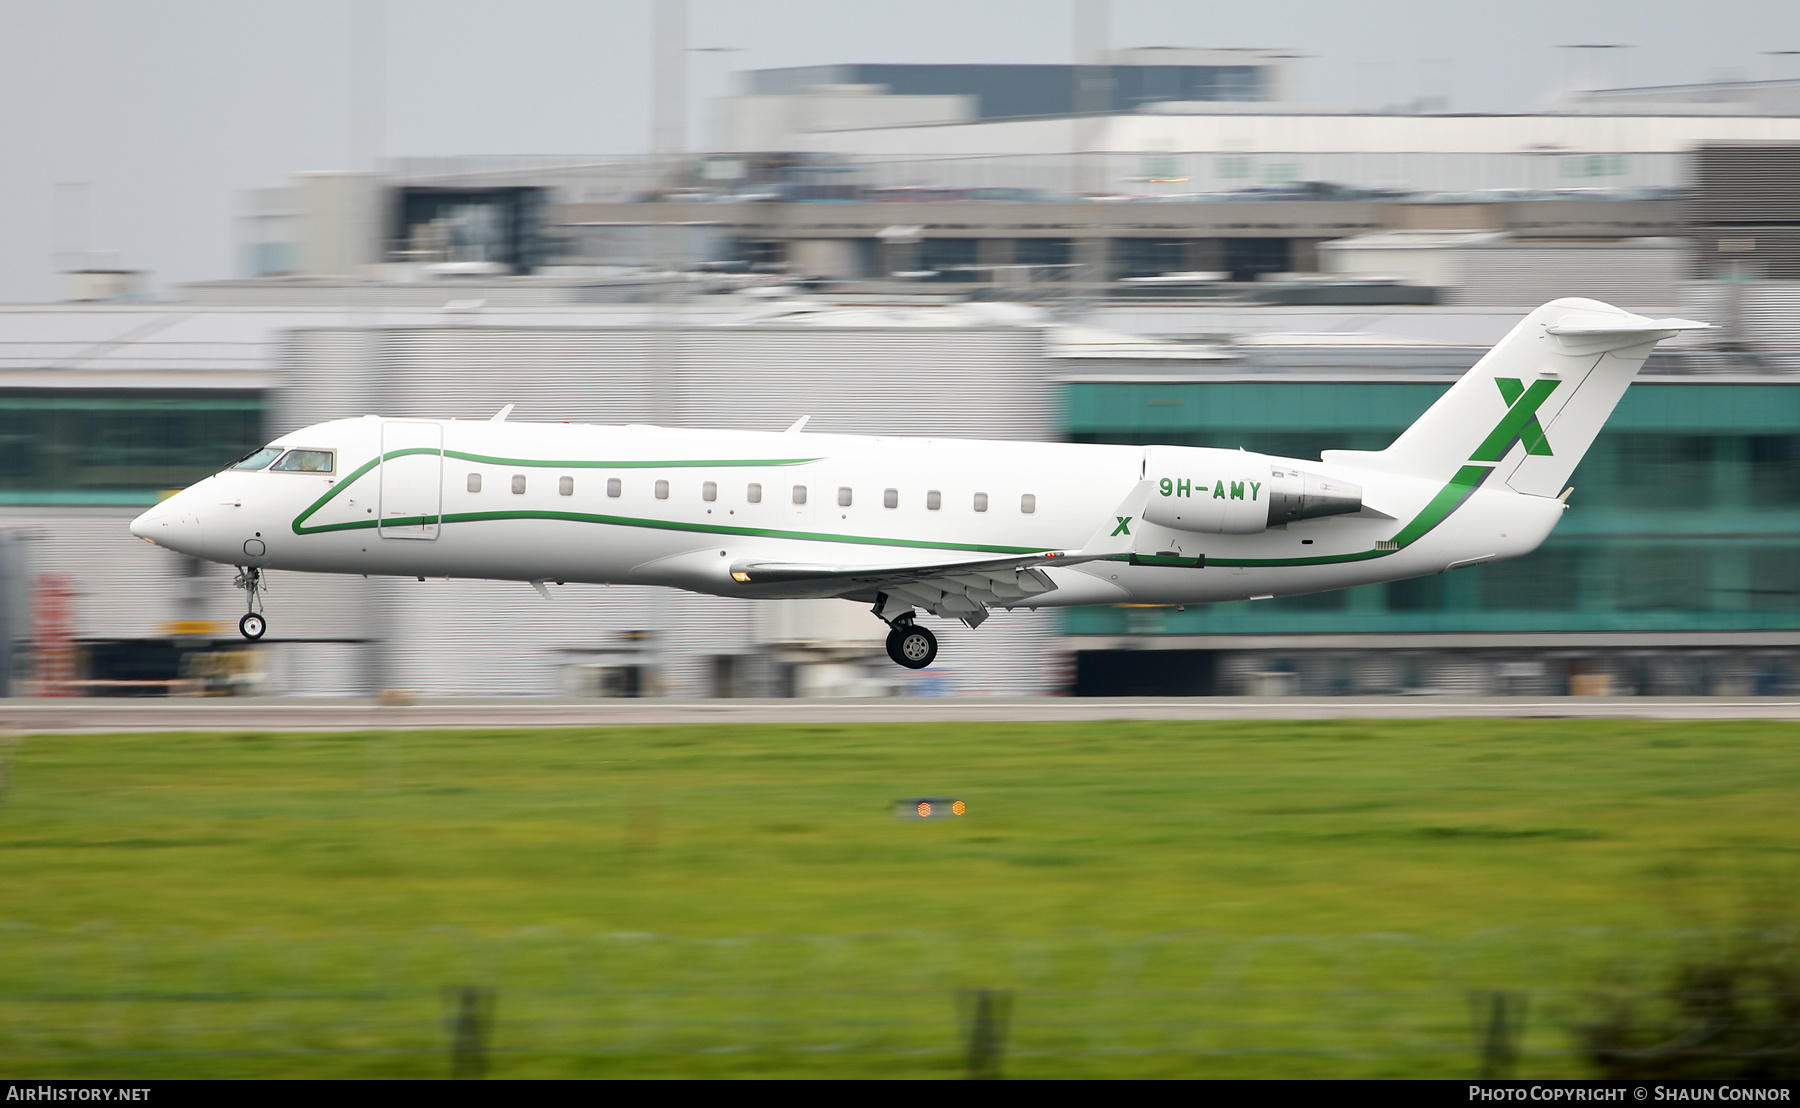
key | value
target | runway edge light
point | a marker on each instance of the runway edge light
(929, 807)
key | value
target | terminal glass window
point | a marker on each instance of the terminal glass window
(1663, 471)
(1774, 580)
(1652, 578)
(121, 446)
(1547, 581)
(1416, 594)
(1774, 470)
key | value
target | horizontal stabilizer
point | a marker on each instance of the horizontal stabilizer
(1614, 325)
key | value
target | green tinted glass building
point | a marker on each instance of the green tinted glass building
(119, 446)
(1676, 570)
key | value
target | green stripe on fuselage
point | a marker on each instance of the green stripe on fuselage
(1448, 500)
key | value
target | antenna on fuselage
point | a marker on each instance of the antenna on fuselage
(799, 426)
(500, 416)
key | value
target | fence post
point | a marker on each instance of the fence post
(469, 1018)
(986, 1015)
(1499, 1018)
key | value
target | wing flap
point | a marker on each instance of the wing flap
(750, 572)
(958, 587)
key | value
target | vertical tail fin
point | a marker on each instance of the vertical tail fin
(1530, 408)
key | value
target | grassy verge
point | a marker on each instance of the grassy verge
(1164, 898)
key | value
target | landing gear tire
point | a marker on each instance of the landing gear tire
(253, 625)
(912, 646)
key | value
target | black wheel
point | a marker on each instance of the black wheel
(252, 626)
(912, 646)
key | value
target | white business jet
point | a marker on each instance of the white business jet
(954, 528)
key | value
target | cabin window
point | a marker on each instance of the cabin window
(304, 461)
(474, 482)
(565, 486)
(662, 490)
(844, 496)
(890, 498)
(753, 493)
(934, 500)
(258, 458)
(709, 492)
(614, 487)
(518, 484)
(1028, 503)
(799, 494)
(981, 501)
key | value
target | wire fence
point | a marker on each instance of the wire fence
(461, 1004)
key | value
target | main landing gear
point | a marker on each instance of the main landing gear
(910, 645)
(252, 626)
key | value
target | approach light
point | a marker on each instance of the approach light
(929, 807)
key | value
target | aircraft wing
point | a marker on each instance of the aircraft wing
(964, 588)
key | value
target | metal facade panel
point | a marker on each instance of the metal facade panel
(126, 588)
(962, 383)
(1745, 184)
(1760, 320)
(484, 637)
(1638, 278)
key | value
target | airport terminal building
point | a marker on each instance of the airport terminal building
(1673, 573)
(1204, 265)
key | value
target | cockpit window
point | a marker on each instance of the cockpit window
(304, 461)
(257, 459)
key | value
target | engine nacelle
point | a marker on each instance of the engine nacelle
(1234, 492)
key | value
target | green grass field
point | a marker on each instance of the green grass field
(1204, 899)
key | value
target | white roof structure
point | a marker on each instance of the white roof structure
(1321, 133)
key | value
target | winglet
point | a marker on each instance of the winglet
(500, 416)
(1114, 535)
(799, 426)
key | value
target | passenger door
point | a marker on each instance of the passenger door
(411, 496)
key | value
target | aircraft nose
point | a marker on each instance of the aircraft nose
(149, 525)
(171, 524)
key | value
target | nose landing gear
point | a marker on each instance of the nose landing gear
(252, 626)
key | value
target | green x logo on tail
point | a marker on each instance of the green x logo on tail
(1520, 421)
